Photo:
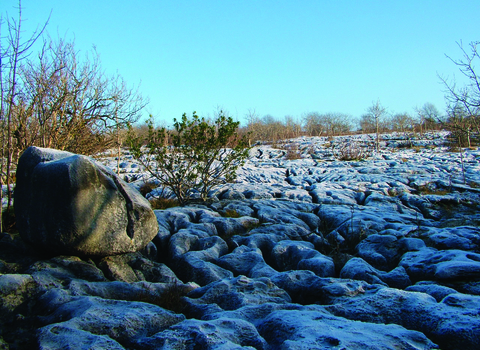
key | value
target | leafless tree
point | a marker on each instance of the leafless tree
(367, 124)
(293, 128)
(428, 117)
(13, 51)
(463, 119)
(327, 124)
(72, 102)
(378, 112)
(402, 122)
(466, 97)
(57, 99)
(461, 125)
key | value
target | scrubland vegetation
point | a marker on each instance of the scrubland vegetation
(59, 98)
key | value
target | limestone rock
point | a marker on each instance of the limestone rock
(359, 269)
(222, 333)
(246, 261)
(15, 289)
(233, 293)
(384, 251)
(69, 204)
(451, 324)
(121, 321)
(294, 255)
(435, 290)
(314, 328)
(443, 265)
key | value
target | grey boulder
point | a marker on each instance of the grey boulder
(69, 204)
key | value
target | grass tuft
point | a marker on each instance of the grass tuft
(163, 203)
(171, 298)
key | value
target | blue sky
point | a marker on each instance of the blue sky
(275, 57)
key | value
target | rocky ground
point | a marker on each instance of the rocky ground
(304, 252)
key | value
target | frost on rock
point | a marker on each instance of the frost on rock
(310, 253)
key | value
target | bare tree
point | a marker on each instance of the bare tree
(428, 117)
(338, 123)
(253, 123)
(12, 54)
(327, 124)
(378, 112)
(312, 124)
(367, 124)
(467, 96)
(402, 122)
(460, 125)
(72, 103)
(57, 99)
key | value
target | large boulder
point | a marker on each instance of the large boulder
(69, 204)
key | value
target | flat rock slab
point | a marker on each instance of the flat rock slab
(442, 265)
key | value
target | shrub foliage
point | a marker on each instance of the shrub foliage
(192, 158)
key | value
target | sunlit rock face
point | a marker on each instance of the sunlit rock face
(69, 204)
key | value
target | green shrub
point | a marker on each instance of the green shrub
(195, 157)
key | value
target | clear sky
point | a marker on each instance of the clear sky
(275, 57)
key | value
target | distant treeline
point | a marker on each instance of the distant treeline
(268, 128)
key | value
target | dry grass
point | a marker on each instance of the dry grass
(171, 298)
(230, 213)
(426, 190)
(9, 221)
(163, 203)
(147, 187)
(474, 184)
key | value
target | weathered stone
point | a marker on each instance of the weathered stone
(381, 251)
(314, 328)
(191, 268)
(243, 300)
(233, 293)
(59, 336)
(463, 237)
(15, 289)
(294, 255)
(452, 324)
(69, 204)
(246, 261)
(222, 333)
(117, 268)
(124, 322)
(233, 208)
(435, 290)
(432, 264)
(359, 269)
(304, 287)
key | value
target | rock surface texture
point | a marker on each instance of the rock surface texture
(69, 204)
(313, 253)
